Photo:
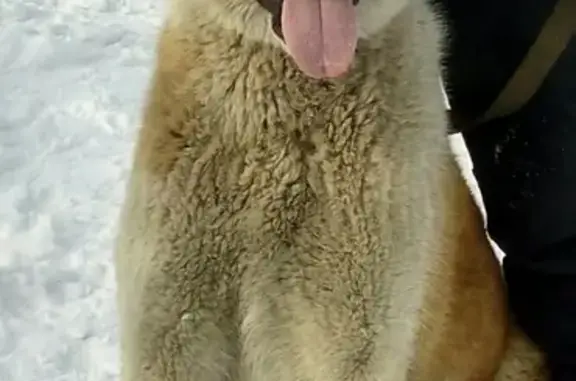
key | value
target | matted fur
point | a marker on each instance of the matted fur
(280, 228)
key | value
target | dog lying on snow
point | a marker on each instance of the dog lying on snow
(294, 212)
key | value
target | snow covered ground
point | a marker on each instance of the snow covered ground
(72, 75)
(72, 78)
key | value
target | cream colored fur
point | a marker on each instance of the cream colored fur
(279, 228)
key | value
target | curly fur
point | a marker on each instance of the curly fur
(281, 228)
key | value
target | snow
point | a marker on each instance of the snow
(72, 77)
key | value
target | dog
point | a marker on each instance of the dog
(294, 211)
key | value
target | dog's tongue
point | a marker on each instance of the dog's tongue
(320, 35)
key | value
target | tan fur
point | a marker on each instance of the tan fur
(279, 228)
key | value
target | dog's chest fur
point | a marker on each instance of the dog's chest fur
(276, 164)
(296, 178)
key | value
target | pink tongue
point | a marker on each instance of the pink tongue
(320, 35)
